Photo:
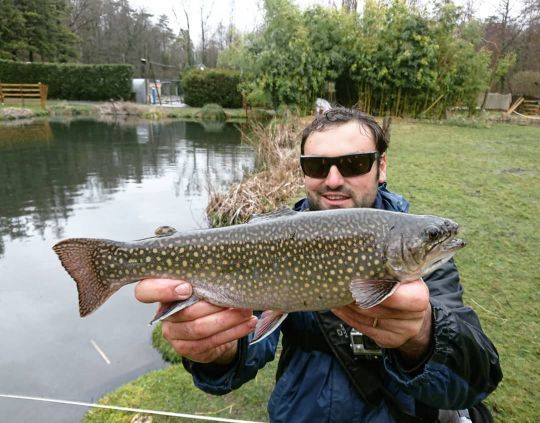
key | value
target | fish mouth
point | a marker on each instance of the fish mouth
(443, 251)
(448, 244)
(453, 244)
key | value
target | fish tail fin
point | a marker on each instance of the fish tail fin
(77, 256)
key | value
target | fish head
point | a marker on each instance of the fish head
(420, 245)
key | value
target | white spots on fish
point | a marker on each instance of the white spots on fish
(249, 261)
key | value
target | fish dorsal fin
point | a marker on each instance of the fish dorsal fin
(164, 231)
(161, 231)
(281, 212)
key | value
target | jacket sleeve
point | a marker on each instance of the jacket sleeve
(222, 379)
(463, 367)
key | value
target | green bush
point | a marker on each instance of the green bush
(259, 98)
(213, 111)
(218, 86)
(72, 81)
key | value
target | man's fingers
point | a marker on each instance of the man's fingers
(387, 333)
(194, 349)
(410, 296)
(207, 325)
(349, 314)
(196, 311)
(383, 312)
(162, 290)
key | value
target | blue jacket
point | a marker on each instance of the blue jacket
(461, 370)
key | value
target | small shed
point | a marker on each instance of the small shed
(138, 87)
(495, 101)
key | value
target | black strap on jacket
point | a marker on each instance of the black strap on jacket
(365, 375)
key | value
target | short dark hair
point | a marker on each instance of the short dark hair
(340, 115)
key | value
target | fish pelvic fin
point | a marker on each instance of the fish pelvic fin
(76, 255)
(268, 322)
(172, 308)
(368, 293)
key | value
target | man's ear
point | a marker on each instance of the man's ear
(382, 169)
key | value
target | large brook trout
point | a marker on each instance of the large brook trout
(282, 262)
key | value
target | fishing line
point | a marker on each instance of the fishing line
(130, 409)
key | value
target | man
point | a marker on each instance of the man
(433, 354)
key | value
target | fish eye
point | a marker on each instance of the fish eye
(432, 233)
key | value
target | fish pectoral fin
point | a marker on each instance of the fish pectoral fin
(169, 310)
(268, 322)
(369, 293)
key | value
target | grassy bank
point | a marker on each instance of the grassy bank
(14, 110)
(487, 178)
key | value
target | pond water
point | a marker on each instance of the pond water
(62, 179)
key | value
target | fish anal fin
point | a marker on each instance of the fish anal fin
(168, 310)
(268, 322)
(368, 293)
(76, 255)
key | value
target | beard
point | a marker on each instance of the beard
(367, 200)
(364, 199)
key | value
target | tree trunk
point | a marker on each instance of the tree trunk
(396, 110)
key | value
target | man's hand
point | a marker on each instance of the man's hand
(402, 321)
(203, 332)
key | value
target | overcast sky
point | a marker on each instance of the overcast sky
(246, 14)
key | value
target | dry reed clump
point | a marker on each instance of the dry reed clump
(12, 113)
(120, 108)
(277, 179)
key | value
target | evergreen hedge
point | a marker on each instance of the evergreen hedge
(218, 86)
(72, 81)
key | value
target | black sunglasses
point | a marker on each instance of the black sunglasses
(348, 165)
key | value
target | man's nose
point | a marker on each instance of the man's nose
(334, 178)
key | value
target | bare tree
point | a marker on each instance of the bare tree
(529, 41)
(349, 5)
(186, 37)
(80, 15)
(468, 10)
(204, 33)
(502, 31)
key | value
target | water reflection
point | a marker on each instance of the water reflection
(48, 168)
(98, 179)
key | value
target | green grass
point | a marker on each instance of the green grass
(487, 178)
(171, 389)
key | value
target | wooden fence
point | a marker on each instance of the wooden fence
(24, 92)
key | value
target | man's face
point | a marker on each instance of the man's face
(336, 191)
